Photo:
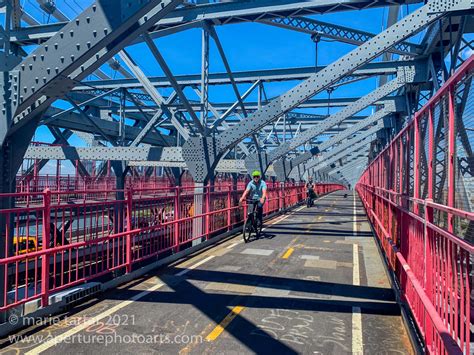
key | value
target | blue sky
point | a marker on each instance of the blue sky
(248, 46)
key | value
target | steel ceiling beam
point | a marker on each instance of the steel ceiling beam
(225, 13)
(155, 96)
(210, 151)
(35, 85)
(336, 32)
(247, 76)
(342, 150)
(406, 75)
(74, 121)
(104, 153)
(283, 167)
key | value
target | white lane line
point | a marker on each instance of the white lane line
(192, 267)
(355, 273)
(354, 222)
(357, 338)
(232, 245)
(62, 337)
(357, 345)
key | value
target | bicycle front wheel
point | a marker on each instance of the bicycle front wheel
(248, 230)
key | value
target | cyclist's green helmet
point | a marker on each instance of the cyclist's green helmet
(256, 173)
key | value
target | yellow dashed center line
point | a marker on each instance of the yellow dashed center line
(288, 253)
(225, 322)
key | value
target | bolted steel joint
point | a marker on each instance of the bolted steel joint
(201, 156)
(437, 6)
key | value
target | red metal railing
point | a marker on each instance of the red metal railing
(35, 182)
(54, 240)
(418, 195)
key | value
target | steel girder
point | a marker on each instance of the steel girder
(349, 170)
(155, 96)
(340, 151)
(203, 153)
(353, 170)
(77, 50)
(104, 153)
(74, 121)
(284, 166)
(247, 77)
(250, 106)
(51, 70)
(223, 13)
(224, 166)
(356, 158)
(136, 156)
(339, 117)
(336, 32)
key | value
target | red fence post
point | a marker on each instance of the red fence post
(429, 213)
(451, 156)
(208, 210)
(128, 243)
(177, 217)
(46, 248)
(229, 208)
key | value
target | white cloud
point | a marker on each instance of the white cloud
(468, 53)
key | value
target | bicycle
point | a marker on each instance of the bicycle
(252, 225)
(310, 199)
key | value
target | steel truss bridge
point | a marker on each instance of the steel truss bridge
(161, 163)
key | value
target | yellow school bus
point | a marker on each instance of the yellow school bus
(23, 245)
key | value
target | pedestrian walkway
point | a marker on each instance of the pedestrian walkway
(314, 283)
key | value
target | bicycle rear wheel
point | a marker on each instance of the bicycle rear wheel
(248, 231)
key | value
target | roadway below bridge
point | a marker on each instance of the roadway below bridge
(314, 283)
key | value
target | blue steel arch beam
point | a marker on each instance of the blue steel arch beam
(202, 153)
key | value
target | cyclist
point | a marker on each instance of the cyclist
(310, 189)
(257, 188)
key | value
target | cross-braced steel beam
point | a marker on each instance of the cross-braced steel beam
(203, 153)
